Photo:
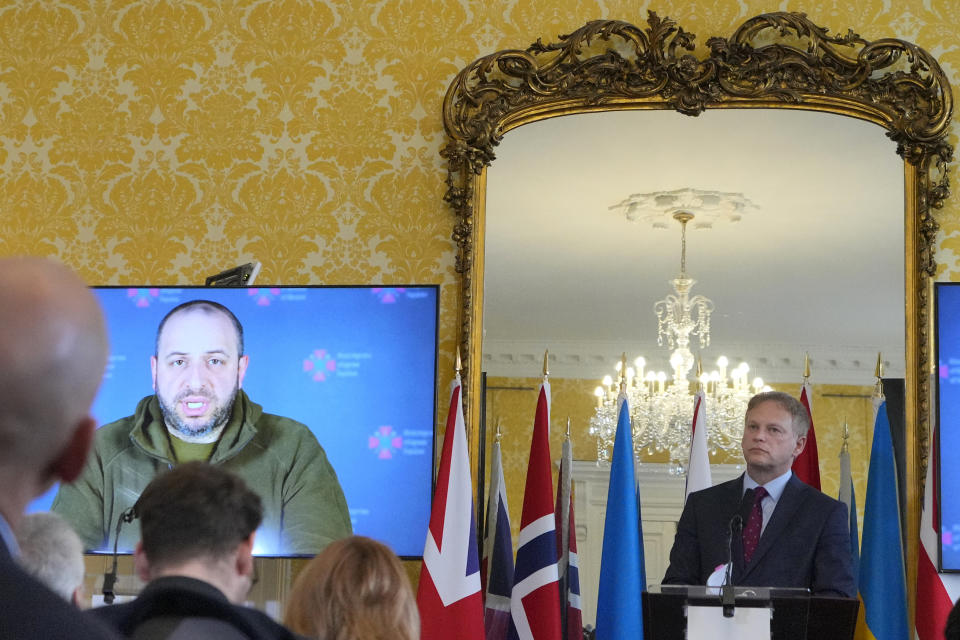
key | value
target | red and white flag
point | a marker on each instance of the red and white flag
(449, 598)
(936, 592)
(535, 599)
(807, 464)
(698, 468)
(568, 564)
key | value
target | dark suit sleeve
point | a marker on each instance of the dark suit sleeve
(832, 563)
(685, 555)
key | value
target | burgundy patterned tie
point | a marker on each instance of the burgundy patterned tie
(751, 533)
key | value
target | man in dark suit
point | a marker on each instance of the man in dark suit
(792, 534)
(197, 528)
(53, 347)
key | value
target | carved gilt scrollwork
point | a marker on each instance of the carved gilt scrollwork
(772, 60)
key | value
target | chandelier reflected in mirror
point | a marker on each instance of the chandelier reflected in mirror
(661, 407)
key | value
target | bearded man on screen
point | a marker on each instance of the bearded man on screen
(199, 412)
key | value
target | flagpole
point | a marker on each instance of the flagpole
(535, 597)
(806, 466)
(882, 583)
(449, 595)
(622, 576)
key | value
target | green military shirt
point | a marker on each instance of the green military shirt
(303, 503)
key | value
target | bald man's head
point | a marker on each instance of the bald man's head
(53, 347)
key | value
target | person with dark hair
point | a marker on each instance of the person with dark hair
(952, 629)
(355, 589)
(198, 523)
(199, 411)
(53, 345)
(792, 535)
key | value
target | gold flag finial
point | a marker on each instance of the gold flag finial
(846, 435)
(699, 374)
(806, 365)
(568, 427)
(878, 372)
(458, 366)
(546, 371)
(499, 433)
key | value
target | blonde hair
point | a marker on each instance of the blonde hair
(355, 589)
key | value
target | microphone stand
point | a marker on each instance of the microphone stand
(110, 577)
(727, 595)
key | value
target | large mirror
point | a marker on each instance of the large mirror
(610, 69)
(811, 263)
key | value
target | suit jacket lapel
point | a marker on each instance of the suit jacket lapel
(790, 501)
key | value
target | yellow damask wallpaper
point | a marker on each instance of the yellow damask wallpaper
(161, 141)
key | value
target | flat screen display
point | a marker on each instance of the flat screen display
(947, 470)
(356, 365)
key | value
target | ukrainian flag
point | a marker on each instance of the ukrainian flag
(883, 588)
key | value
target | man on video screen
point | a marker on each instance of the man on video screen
(200, 412)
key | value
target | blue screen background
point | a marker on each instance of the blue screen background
(355, 364)
(948, 388)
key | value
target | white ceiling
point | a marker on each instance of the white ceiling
(818, 268)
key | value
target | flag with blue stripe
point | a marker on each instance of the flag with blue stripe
(848, 496)
(568, 563)
(535, 599)
(449, 595)
(496, 569)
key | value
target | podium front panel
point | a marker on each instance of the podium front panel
(796, 615)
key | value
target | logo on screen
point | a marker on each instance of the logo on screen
(385, 441)
(951, 537)
(388, 295)
(319, 365)
(143, 297)
(263, 297)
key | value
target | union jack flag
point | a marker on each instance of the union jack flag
(449, 599)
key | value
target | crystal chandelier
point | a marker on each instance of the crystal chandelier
(661, 410)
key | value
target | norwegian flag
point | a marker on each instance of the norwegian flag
(568, 565)
(535, 600)
(496, 566)
(449, 599)
(807, 464)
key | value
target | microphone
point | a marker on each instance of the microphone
(736, 522)
(110, 577)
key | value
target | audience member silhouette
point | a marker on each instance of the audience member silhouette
(355, 589)
(53, 345)
(51, 551)
(197, 527)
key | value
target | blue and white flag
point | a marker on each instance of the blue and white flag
(496, 567)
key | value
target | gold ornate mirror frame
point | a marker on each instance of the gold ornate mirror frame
(775, 60)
